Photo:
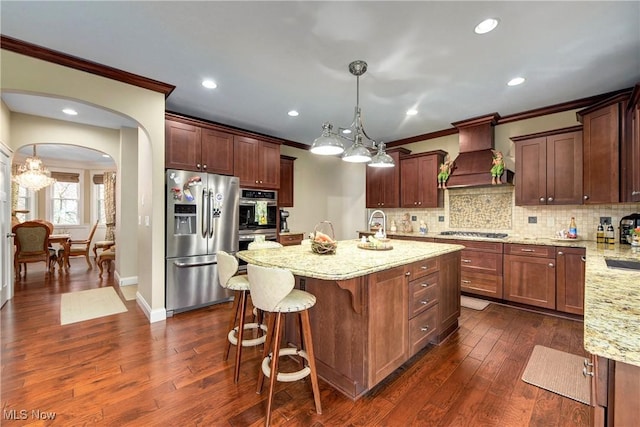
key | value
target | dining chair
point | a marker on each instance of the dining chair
(32, 245)
(77, 248)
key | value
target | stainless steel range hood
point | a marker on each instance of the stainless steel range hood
(473, 165)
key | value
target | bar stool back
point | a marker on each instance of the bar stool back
(227, 269)
(272, 291)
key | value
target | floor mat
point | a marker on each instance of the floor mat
(89, 304)
(473, 303)
(558, 372)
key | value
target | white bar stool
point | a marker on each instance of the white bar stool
(227, 269)
(272, 291)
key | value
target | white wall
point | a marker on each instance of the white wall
(29, 75)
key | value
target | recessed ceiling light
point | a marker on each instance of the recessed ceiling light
(209, 84)
(412, 112)
(516, 81)
(70, 111)
(293, 113)
(486, 26)
(346, 131)
(106, 155)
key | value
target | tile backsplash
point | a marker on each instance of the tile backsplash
(493, 209)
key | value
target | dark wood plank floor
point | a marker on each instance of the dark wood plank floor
(121, 370)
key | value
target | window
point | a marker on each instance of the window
(25, 203)
(65, 199)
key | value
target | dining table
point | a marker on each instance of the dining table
(64, 240)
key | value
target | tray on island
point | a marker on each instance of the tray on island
(372, 247)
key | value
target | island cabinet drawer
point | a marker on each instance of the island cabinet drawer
(481, 262)
(422, 268)
(423, 293)
(530, 250)
(422, 329)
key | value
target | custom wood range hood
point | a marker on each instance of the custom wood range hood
(472, 167)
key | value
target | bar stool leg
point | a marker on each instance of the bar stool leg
(274, 365)
(267, 348)
(232, 323)
(308, 347)
(240, 334)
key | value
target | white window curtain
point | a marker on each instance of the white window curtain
(110, 204)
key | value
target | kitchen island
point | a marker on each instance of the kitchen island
(375, 308)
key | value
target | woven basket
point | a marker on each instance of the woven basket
(324, 248)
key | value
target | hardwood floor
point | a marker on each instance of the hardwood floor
(121, 370)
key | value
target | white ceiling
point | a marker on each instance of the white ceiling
(271, 57)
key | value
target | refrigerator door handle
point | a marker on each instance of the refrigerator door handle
(211, 219)
(195, 264)
(204, 215)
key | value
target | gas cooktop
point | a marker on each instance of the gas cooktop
(475, 234)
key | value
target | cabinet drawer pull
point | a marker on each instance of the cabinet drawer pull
(541, 199)
(527, 250)
(424, 267)
(587, 363)
(425, 328)
(424, 285)
(424, 302)
(408, 273)
(466, 281)
(551, 265)
(560, 253)
(584, 259)
(587, 373)
(466, 261)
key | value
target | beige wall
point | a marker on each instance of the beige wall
(29, 75)
(5, 127)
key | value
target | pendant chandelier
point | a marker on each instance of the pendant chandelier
(32, 174)
(330, 142)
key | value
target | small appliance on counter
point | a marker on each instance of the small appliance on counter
(627, 224)
(284, 228)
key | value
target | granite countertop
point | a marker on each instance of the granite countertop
(349, 261)
(612, 296)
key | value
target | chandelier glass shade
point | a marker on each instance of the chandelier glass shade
(32, 174)
(330, 142)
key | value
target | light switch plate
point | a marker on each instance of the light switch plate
(605, 220)
(533, 220)
(441, 219)
(414, 218)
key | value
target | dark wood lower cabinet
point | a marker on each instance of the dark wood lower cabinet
(570, 265)
(530, 275)
(615, 392)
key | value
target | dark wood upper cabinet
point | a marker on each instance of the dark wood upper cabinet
(285, 194)
(383, 184)
(630, 162)
(603, 132)
(419, 180)
(549, 167)
(256, 162)
(197, 148)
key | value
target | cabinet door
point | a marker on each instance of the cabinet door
(182, 146)
(375, 187)
(564, 169)
(217, 152)
(388, 322)
(269, 172)
(246, 160)
(409, 173)
(285, 193)
(428, 182)
(570, 265)
(530, 280)
(601, 163)
(449, 298)
(531, 181)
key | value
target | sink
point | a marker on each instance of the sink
(623, 264)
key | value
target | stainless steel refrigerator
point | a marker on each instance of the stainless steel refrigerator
(202, 219)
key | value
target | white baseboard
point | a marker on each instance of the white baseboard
(127, 281)
(156, 315)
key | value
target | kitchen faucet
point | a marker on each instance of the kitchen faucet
(382, 232)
